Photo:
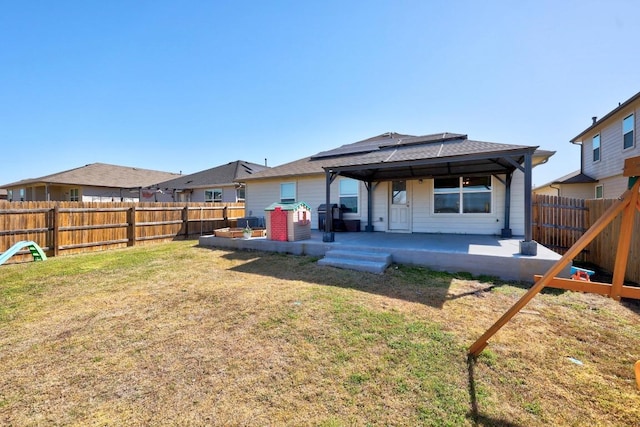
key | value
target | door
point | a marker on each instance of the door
(399, 207)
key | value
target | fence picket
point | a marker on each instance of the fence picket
(71, 227)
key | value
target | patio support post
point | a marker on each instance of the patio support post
(528, 246)
(328, 235)
(506, 231)
(370, 188)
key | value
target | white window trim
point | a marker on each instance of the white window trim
(599, 147)
(357, 195)
(633, 131)
(461, 193)
(238, 198)
(595, 191)
(213, 193)
(295, 192)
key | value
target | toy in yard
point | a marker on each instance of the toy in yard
(36, 251)
(581, 274)
(626, 205)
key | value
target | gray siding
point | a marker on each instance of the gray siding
(612, 154)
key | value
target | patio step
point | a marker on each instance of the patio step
(372, 262)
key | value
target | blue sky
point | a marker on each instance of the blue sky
(189, 85)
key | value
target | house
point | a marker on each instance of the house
(3, 194)
(219, 184)
(95, 182)
(575, 185)
(439, 183)
(606, 144)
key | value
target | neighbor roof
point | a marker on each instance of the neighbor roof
(100, 175)
(220, 175)
(575, 177)
(392, 155)
(606, 117)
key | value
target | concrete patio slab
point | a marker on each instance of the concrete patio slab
(476, 254)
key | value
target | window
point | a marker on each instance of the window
(596, 148)
(599, 192)
(240, 192)
(74, 195)
(627, 132)
(214, 195)
(10, 195)
(349, 195)
(288, 192)
(462, 195)
(399, 193)
(22, 192)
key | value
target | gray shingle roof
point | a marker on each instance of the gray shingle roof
(100, 175)
(389, 148)
(575, 177)
(221, 175)
(621, 106)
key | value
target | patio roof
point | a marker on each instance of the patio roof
(393, 156)
(397, 156)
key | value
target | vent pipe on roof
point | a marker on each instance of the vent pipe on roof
(595, 119)
(265, 162)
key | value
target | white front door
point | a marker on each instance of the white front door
(399, 206)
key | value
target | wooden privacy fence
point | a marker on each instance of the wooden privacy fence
(558, 222)
(71, 227)
(602, 250)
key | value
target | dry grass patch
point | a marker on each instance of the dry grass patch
(176, 334)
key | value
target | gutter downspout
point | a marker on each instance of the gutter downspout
(581, 155)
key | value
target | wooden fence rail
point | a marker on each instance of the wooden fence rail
(71, 227)
(558, 222)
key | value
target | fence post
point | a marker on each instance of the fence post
(56, 230)
(225, 216)
(185, 220)
(131, 229)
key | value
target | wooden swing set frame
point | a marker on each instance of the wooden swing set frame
(626, 205)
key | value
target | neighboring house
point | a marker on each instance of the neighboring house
(219, 184)
(95, 182)
(575, 185)
(3, 194)
(606, 144)
(441, 183)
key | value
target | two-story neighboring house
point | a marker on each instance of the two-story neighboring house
(606, 144)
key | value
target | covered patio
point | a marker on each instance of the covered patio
(476, 254)
(435, 156)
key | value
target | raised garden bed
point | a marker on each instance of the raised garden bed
(238, 232)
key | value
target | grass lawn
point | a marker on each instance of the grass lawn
(176, 334)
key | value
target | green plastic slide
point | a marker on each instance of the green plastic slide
(36, 251)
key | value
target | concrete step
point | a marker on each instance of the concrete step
(372, 262)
